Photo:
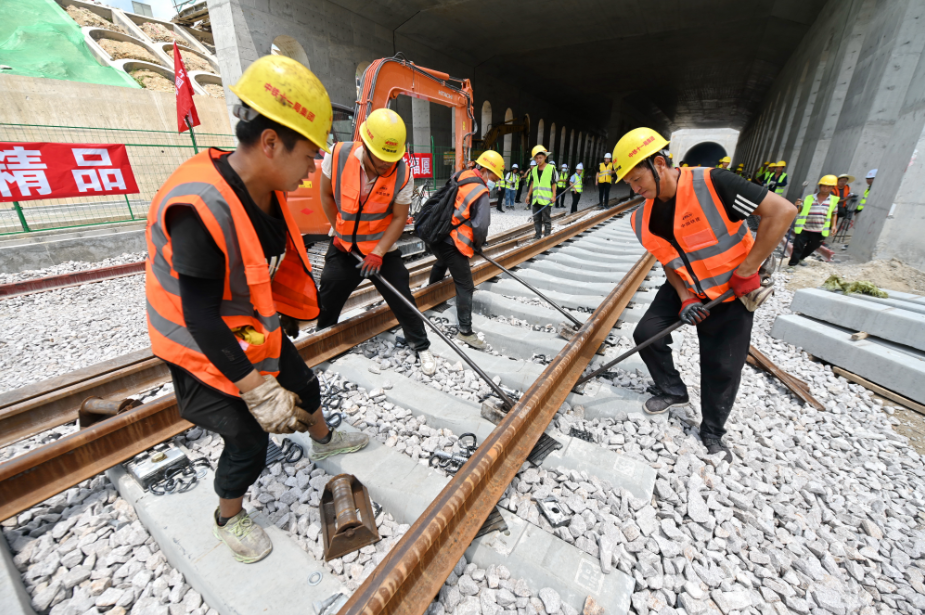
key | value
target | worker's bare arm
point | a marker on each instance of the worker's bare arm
(776, 215)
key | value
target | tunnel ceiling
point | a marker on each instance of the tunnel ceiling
(690, 64)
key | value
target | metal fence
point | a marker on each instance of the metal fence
(154, 155)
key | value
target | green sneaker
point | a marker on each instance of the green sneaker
(341, 442)
(246, 539)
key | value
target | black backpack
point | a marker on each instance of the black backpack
(435, 220)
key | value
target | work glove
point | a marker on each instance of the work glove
(290, 326)
(743, 286)
(275, 408)
(692, 312)
(370, 265)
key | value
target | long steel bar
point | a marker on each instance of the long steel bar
(411, 575)
(38, 474)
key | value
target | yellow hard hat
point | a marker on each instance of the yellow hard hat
(725, 159)
(773, 165)
(781, 163)
(384, 134)
(285, 91)
(539, 149)
(634, 147)
(492, 160)
(828, 180)
(671, 155)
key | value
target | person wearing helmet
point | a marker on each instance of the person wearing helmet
(603, 179)
(470, 230)
(740, 170)
(542, 193)
(524, 177)
(366, 190)
(760, 174)
(776, 178)
(511, 185)
(227, 275)
(871, 176)
(577, 186)
(724, 162)
(693, 223)
(843, 191)
(817, 218)
(561, 185)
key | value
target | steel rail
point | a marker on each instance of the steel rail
(66, 280)
(407, 580)
(43, 472)
(51, 403)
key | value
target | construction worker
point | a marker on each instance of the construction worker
(724, 162)
(561, 185)
(511, 185)
(776, 178)
(366, 190)
(740, 170)
(501, 185)
(227, 274)
(542, 193)
(842, 190)
(527, 179)
(470, 230)
(523, 180)
(671, 160)
(693, 223)
(817, 218)
(759, 175)
(871, 176)
(603, 179)
(575, 183)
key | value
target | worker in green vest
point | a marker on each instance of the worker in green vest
(561, 185)
(604, 180)
(815, 221)
(871, 175)
(501, 185)
(511, 185)
(759, 175)
(776, 180)
(577, 184)
(724, 162)
(542, 193)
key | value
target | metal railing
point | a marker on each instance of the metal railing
(154, 155)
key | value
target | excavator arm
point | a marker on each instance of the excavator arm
(386, 78)
(521, 125)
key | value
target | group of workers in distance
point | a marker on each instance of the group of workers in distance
(228, 278)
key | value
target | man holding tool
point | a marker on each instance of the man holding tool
(470, 230)
(366, 190)
(227, 273)
(693, 223)
(542, 193)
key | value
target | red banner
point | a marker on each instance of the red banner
(30, 171)
(422, 165)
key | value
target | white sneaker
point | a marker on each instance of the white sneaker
(428, 363)
(247, 540)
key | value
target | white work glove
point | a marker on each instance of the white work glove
(275, 408)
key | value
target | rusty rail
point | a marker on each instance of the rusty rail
(411, 575)
(65, 280)
(40, 473)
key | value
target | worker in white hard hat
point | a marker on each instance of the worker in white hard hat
(542, 193)
(511, 185)
(871, 176)
(561, 185)
(603, 179)
(577, 186)
(366, 190)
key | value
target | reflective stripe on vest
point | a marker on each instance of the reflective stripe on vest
(462, 235)
(579, 185)
(512, 180)
(714, 245)
(365, 221)
(605, 177)
(542, 186)
(777, 188)
(804, 214)
(251, 298)
(563, 179)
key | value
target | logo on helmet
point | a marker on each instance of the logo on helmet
(370, 134)
(391, 143)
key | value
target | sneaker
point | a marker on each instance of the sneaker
(428, 363)
(715, 445)
(660, 403)
(472, 339)
(341, 442)
(246, 539)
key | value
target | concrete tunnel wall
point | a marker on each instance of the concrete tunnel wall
(336, 40)
(852, 98)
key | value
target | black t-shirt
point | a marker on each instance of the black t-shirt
(739, 198)
(197, 255)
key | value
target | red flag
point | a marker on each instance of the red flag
(186, 108)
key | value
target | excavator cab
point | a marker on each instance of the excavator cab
(305, 202)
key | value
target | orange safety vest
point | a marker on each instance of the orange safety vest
(363, 223)
(714, 244)
(251, 298)
(466, 195)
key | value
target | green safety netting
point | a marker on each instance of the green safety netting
(38, 39)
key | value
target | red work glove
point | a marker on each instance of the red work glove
(370, 265)
(742, 286)
(692, 312)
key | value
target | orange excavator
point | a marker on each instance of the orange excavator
(383, 81)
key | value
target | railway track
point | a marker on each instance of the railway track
(577, 266)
